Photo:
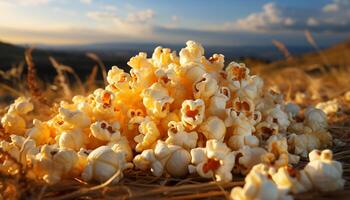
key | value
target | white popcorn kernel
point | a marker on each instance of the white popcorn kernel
(75, 118)
(215, 160)
(162, 57)
(178, 136)
(247, 157)
(53, 164)
(21, 106)
(149, 134)
(41, 132)
(72, 139)
(192, 113)
(103, 131)
(244, 105)
(258, 185)
(304, 143)
(13, 124)
(157, 101)
(242, 132)
(169, 158)
(329, 107)
(192, 53)
(287, 178)
(237, 71)
(205, 87)
(292, 109)
(316, 119)
(103, 163)
(118, 79)
(278, 155)
(277, 115)
(214, 64)
(213, 128)
(217, 102)
(324, 173)
(121, 144)
(265, 129)
(20, 148)
(167, 76)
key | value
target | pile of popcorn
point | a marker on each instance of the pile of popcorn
(174, 115)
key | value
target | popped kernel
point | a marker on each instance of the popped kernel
(52, 164)
(103, 163)
(149, 134)
(324, 173)
(258, 185)
(215, 160)
(192, 113)
(157, 101)
(172, 159)
(178, 136)
(213, 128)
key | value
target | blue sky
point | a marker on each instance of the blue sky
(220, 22)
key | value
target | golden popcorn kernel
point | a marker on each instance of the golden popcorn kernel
(191, 113)
(211, 165)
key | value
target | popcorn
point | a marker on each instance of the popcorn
(213, 128)
(103, 131)
(103, 163)
(215, 160)
(75, 118)
(165, 109)
(20, 148)
(52, 164)
(316, 119)
(192, 53)
(162, 57)
(287, 178)
(21, 106)
(72, 139)
(242, 131)
(205, 87)
(170, 158)
(13, 123)
(278, 154)
(278, 116)
(217, 102)
(40, 133)
(247, 157)
(329, 107)
(157, 101)
(258, 185)
(178, 136)
(148, 136)
(118, 79)
(192, 113)
(324, 173)
(214, 63)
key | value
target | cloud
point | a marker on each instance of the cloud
(27, 2)
(333, 7)
(333, 17)
(140, 16)
(270, 17)
(86, 1)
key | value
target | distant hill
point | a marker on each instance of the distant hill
(334, 56)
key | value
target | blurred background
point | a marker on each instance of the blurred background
(302, 45)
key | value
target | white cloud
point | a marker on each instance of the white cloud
(86, 1)
(312, 22)
(140, 16)
(333, 7)
(174, 18)
(270, 16)
(28, 2)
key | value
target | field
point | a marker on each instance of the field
(306, 79)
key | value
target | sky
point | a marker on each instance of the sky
(219, 22)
